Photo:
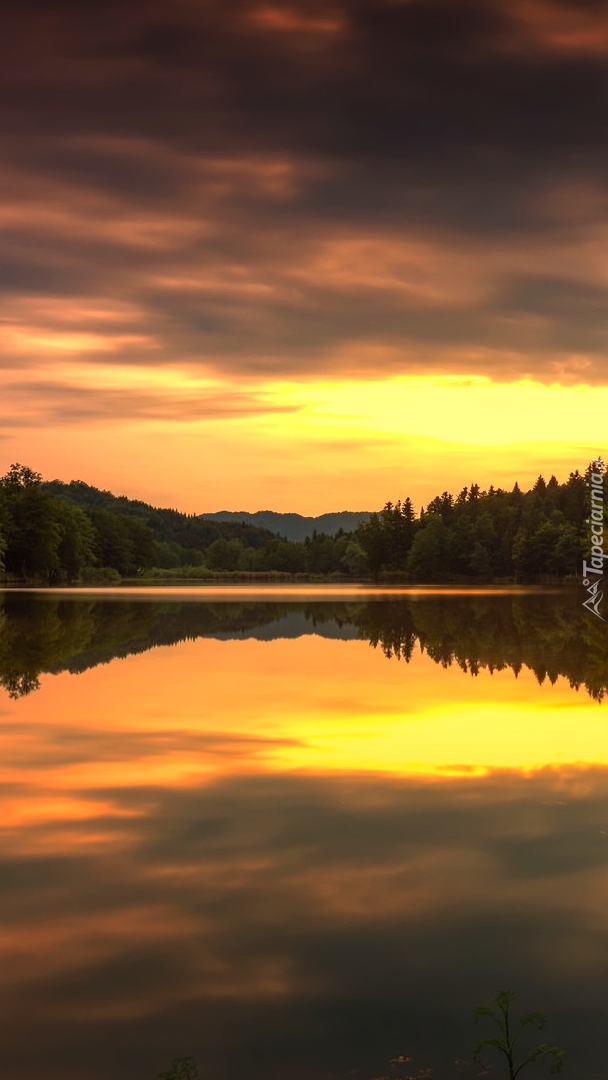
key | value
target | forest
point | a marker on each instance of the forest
(53, 532)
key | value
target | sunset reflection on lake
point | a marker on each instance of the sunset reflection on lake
(255, 847)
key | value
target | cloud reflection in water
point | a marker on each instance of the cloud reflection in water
(226, 848)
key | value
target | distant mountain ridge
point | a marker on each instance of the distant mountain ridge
(293, 526)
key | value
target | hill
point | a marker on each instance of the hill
(170, 526)
(56, 532)
(293, 526)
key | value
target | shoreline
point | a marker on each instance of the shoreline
(344, 587)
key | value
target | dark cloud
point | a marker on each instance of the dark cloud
(69, 746)
(38, 404)
(277, 189)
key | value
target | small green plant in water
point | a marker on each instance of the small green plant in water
(506, 1038)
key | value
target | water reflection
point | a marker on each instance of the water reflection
(549, 633)
(287, 855)
(294, 926)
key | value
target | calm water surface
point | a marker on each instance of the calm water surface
(295, 832)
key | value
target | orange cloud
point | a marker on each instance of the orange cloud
(299, 21)
(560, 27)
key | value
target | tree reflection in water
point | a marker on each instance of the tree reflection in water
(548, 633)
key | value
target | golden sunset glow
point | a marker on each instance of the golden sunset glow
(347, 444)
(222, 808)
(283, 797)
(309, 705)
(299, 318)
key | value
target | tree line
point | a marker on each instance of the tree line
(54, 532)
(490, 535)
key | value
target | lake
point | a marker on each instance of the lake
(295, 832)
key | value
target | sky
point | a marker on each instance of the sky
(303, 256)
